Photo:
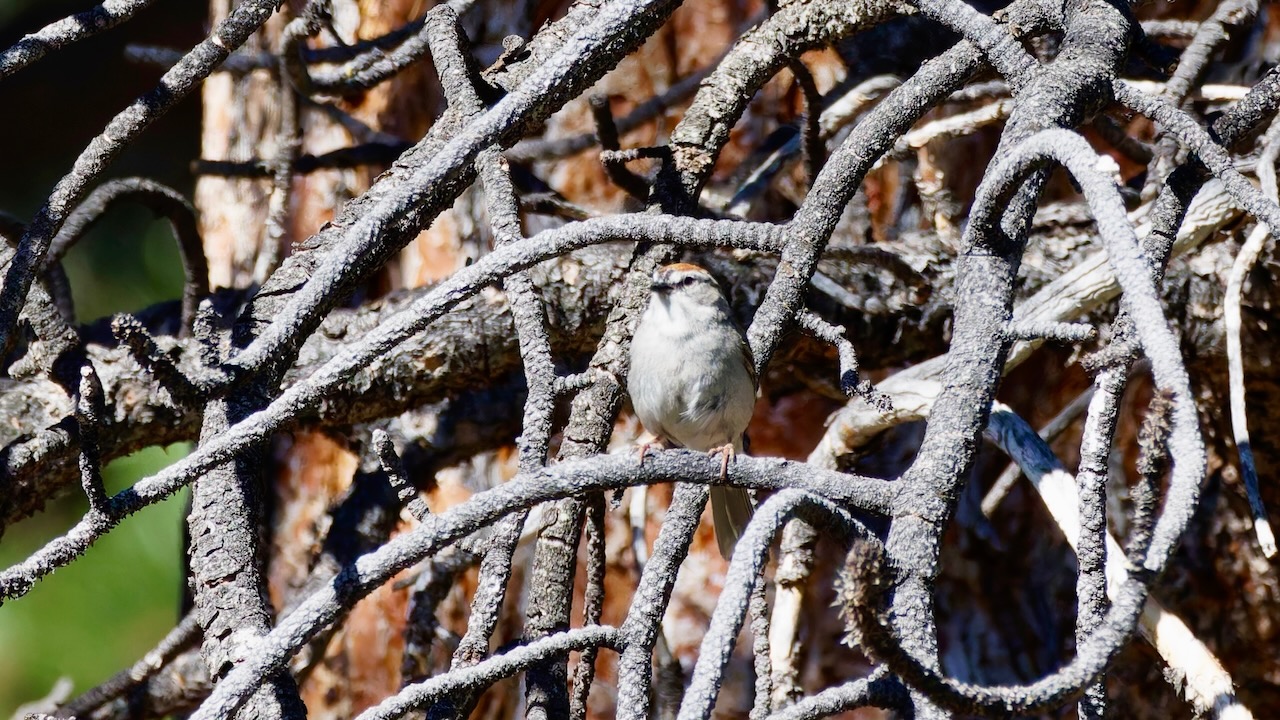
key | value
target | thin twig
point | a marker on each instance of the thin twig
(66, 31)
(815, 150)
(134, 336)
(389, 461)
(164, 202)
(182, 636)
(612, 159)
(850, 383)
(89, 418)
(592, 605)
(176, 84)
(1248, 256)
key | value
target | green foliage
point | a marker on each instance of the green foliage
(122, 597)
(126, 263)
(101, 613)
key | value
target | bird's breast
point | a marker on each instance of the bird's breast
(690, 384)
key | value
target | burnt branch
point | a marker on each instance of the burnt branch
(66, 31)
(513, 364)
(177, 83)
(163, 202)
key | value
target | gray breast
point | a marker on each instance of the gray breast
(700, 396)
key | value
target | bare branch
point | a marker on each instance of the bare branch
(176, 84)
(89, 412)
(572, 477)
(476, 677)
(179, 638)
(163, 202)
(527, 343)
(1244, 262)
(66, 31)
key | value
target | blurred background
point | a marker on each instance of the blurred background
(126, 591)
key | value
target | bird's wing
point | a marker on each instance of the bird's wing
(748, 360)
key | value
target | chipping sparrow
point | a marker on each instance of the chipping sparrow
(693, 380)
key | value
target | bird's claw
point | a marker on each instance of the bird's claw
(726, 453)
(646, 447)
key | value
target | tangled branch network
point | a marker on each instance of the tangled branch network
(835, 193)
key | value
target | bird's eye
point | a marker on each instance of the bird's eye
(687, 281)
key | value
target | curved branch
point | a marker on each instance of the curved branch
(989, 701)
(1209, 152)
(475, 678)
(796, 27)
(749, 557)
(123, 129)
(305, 396)
(1140, 301)
(877, 690)
(572, 477)
(161, 200)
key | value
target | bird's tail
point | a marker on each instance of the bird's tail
(731, 509)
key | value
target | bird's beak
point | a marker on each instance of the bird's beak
(658, 285)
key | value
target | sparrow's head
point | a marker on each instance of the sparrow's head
(686, 283)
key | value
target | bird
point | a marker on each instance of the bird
(693, 381)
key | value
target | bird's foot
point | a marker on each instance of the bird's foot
(645, 447)
(726, 453)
